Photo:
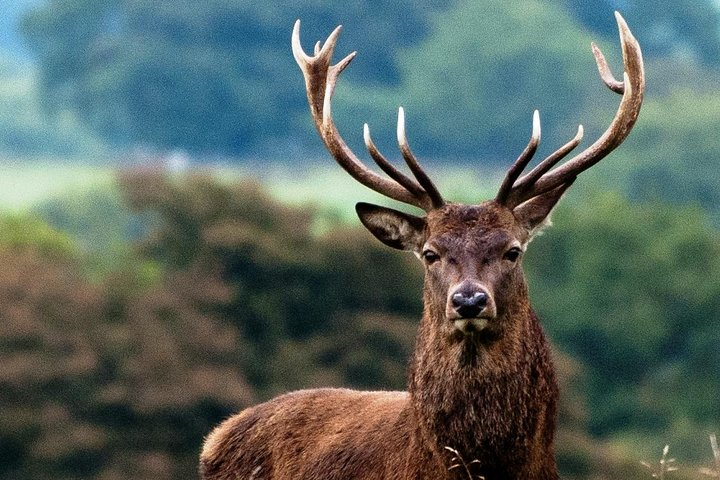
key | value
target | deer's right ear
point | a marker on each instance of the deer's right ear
(534, 214)
(395, 229)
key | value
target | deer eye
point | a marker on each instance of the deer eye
(513, 254)
(430, 256)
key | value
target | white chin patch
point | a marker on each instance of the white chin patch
(471, 325)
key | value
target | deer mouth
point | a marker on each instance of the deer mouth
(469, 326)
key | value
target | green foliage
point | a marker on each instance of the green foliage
(27, 232)
(475, 81)
(672, 153)
(217, 77)
(288, 286)
(98, 222)
(27, 129)
(47, 362)
(632, 291)
(99, 380)
(213, 76)
(678, 28)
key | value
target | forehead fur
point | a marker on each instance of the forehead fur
(474, 220)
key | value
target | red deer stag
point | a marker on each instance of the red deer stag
(482, 386)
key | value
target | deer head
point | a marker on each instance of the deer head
(472, 253)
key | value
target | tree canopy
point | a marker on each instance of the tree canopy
(678, 28)
(211, 77)
(629, 290)
(217, 77)
(673, 153)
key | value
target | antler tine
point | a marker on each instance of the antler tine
(549, 162)
(415, 168)
(516, 169)
(320, 80)
(388, 167)
(605, 72)
(632, 89)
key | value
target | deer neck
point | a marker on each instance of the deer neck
(468, 392)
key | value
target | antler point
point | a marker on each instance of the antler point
(620, 20)
(342, 64)
(626, 35)
(298, 52)
(402, 139)
(536, 131)
(366, 135)
(329, 44)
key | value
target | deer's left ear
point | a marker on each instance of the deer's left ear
(392, 227)
(534, 214)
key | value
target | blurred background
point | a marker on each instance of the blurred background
(176, 245)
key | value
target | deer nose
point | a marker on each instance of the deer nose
(469, 304)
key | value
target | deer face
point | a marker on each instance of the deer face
(472, 256)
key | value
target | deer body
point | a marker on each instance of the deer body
(313, 434)
(344, 434)
(482, 394)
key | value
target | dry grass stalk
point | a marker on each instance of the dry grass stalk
(664, 467)
(713, 472)
(459, 462)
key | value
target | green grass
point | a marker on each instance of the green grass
(334, 192)
(326, 187)
(24, 185)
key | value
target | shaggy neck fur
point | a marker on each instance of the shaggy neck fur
(485, 395)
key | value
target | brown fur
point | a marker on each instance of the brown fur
(490, 395)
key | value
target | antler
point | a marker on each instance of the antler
(320, 79)
(543, 178)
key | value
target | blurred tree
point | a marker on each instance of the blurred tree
(167, 372)
(213, 76)
(99, 224)
(47, 364)
(27, 232)
(471, 87)
(27, 129)
(217, 77)
(678, 28)
(109, 380)
(287, 284)
(633, 291)
(672, 153)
